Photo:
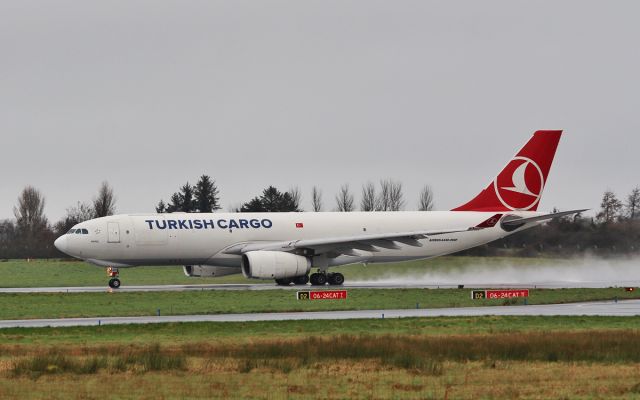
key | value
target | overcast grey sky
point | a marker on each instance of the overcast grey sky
(150, 94)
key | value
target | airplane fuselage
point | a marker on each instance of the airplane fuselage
(201, 238)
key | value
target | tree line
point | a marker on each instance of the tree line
(204, 197)
(31, 235)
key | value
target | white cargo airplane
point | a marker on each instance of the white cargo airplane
(287, 246)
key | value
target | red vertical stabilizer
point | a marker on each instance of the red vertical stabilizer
(520, 184)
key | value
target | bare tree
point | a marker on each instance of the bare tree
(75, 214)
(633, 203)
(368, 201)
(344, 199)
(396, 198)
(32, 226)
(316, 199)
(390, 197)
(426, 199)
(105, 203)
(383, 201)
(609, 208)
(296, 197)
(81, 212)
(29, 212)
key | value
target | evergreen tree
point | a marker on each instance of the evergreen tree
(254, 205)
(161, 207)
(206, 195)
(633, 203)
(272, 200)
(609, 208)
(182, 201)
(175, 203)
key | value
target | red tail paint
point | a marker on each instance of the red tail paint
(520, 184)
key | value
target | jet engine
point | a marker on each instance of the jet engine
(208, 271)
(274, 265)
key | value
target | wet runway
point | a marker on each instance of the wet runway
(608, 308)
(348, 285)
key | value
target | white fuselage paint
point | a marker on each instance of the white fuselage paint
(140, 242)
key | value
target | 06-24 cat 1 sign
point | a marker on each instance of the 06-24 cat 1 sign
(499, 294)
(322, 295)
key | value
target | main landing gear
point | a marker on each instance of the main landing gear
(332, 278)
(316, 279)
(113, 273)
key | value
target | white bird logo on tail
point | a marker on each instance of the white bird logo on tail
(519, 182)
(519, 186)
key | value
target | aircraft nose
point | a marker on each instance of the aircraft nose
(61, 243)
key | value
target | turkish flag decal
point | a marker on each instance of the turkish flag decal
(299, 225)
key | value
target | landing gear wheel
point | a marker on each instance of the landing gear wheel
(318, 279)
(336, 279)
(301, 280)
(284, 281)
(113, 273)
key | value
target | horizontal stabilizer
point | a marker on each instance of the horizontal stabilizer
(521, 221)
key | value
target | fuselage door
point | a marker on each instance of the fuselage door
(113, 229)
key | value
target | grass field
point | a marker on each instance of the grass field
(46, 273)
(207, 379)
(235, 332)
(428, 358)
(59, 305)
(451, 358)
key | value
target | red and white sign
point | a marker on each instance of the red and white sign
(323, 295)
(506, 294)
(328, 295)
(299, 225)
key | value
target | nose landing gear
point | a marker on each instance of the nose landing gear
(113, 273)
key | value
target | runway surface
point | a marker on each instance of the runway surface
(610, 308)
(349, 285)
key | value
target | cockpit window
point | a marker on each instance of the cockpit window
(85, 231)
(71, 231)
(78, 231)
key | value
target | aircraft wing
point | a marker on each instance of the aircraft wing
(348, 244)
(360, 242)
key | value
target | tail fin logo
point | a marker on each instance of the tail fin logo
(519, 186)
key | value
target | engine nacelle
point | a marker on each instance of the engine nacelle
(208, 271)
(274, 265)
